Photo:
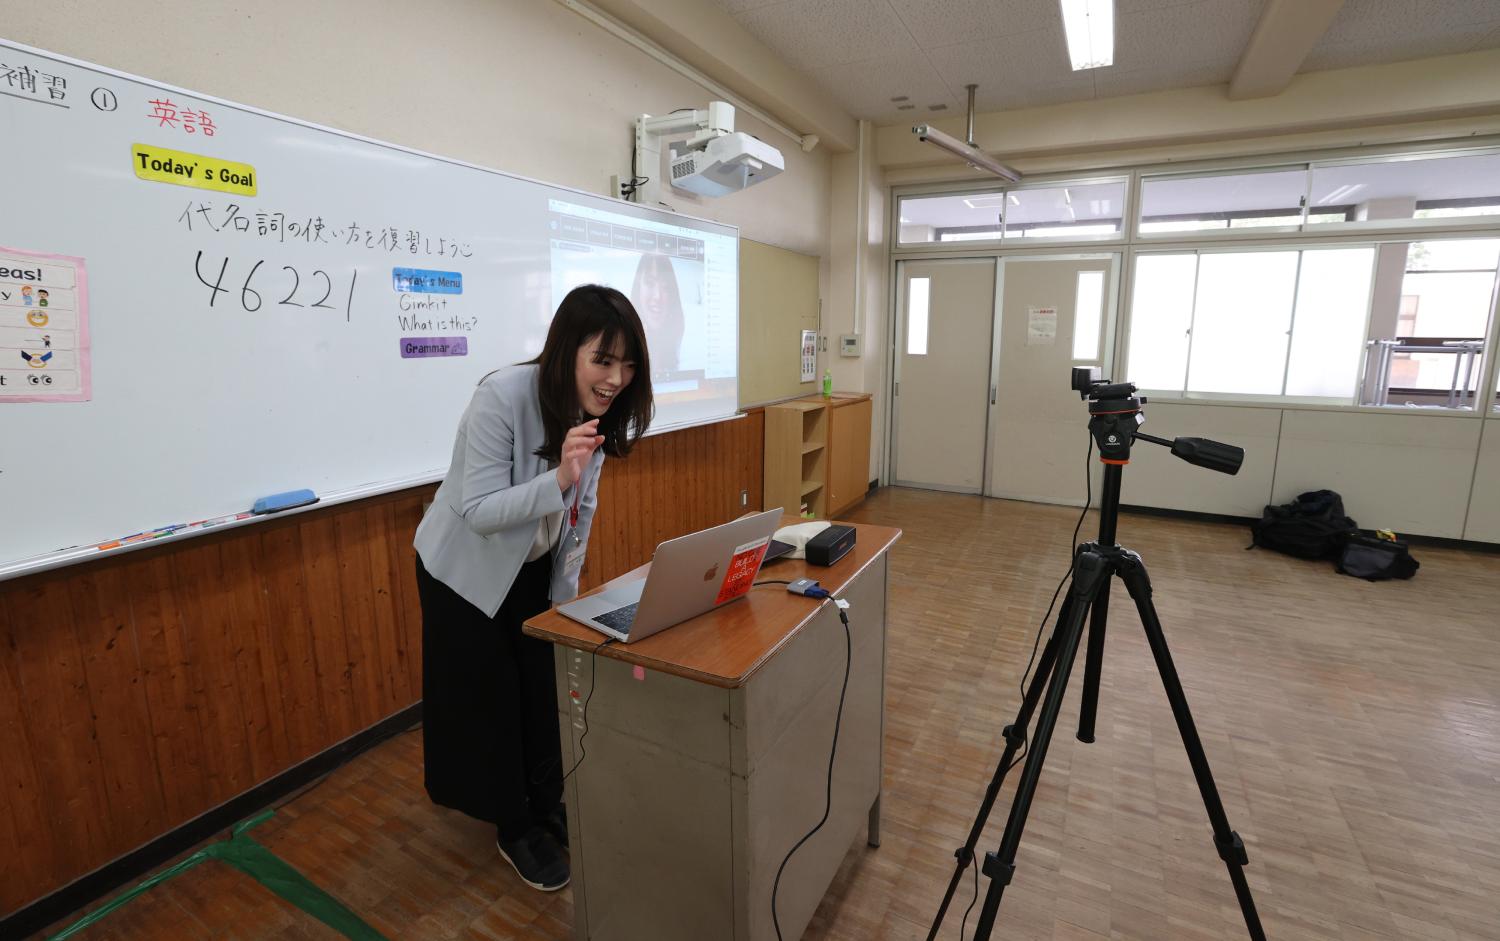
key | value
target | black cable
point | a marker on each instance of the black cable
(593, 669)
(1088, 482)
(828, 799)
(963, 926)
(771, 581)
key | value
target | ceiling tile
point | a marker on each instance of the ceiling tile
(1111, 83)
(1208, 31)
(814, 34)
(735, 7)
(1344, 55)
(1367, 47)
(1123, 7)
(866, 88)
(1015, 71)
(1381, 21)
(947, 22)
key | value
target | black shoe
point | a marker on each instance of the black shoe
(556, 823)
(537, 859)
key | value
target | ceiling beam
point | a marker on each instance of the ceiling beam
(1286, 33)
(1466, 85)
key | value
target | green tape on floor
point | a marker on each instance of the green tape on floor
(264, 867)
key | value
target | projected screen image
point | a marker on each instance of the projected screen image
(684, 284)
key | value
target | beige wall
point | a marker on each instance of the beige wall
(857, 300)
(1483, 522)
(524, 86)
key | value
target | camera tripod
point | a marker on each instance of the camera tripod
(1114, 417)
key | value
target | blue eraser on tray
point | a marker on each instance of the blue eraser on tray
(283, 501)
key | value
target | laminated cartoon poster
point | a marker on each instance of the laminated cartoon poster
(44, 332)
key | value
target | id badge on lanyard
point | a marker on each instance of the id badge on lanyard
(573, 547)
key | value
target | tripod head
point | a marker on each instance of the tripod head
(1116, 414)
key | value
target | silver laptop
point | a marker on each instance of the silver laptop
(689, 575)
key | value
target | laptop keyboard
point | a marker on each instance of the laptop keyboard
(619, 619)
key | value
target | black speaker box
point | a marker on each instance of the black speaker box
(830, 545)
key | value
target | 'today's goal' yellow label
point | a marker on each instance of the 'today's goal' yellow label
(184, 169)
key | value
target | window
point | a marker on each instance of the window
(967, 217)
(1242, 312)
(916, 316)
(1161, 316)
(1224, 201)
(1429, 352)
(1428, 187)
(1328, 327)
(1088, 311)
(1075, 211)
(1260, 323)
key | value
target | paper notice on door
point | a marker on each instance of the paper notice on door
(1041, 326)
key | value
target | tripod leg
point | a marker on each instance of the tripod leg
(1090, 572)
(1015, 737)
(1231, 848)
(1092, 664)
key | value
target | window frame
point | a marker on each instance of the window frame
(1039, 182)
(1116, 332)
(1227, 233)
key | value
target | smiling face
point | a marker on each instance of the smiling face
(601, 373)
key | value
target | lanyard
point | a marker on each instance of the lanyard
(573, 511)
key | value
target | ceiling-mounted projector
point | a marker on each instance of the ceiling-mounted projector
(716, 160)
(725, 165)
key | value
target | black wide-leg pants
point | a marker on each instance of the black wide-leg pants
(489, 704)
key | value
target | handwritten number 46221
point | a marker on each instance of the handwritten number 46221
(251, 299)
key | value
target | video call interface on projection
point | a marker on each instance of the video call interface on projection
(684, 283)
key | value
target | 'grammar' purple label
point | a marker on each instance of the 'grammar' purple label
(420, 347)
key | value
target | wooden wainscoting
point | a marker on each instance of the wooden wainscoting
(140, 691)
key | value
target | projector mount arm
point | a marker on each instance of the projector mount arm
(708, 123)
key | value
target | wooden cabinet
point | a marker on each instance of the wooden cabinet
(848, 453)
(817, 454)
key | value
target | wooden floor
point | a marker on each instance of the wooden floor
(1353, 729)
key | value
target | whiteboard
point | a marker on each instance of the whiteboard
(259, 304)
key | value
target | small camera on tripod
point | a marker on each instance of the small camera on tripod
(1087, 382)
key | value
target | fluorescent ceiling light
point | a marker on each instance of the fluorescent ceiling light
(1090, 25)
(970, 154)
(985, 202)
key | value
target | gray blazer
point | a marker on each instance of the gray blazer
(477, 533)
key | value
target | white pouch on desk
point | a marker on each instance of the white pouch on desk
(797, 536)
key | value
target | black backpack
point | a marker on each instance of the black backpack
(1313, 526)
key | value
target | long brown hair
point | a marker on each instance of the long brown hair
(589, 311)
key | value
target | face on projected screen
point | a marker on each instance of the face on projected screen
(658, 299)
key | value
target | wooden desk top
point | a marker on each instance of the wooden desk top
(726, 646)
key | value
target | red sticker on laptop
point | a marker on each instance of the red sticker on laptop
(742, 568)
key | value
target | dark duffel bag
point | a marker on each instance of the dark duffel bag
(1375, 559)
